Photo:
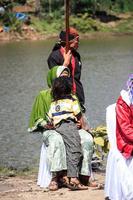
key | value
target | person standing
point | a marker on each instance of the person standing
(124, 120)
(56, 57)
(119, 169)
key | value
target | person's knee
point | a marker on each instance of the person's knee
(86, 138)
(58, 140)
(89, 140)
(53, 137)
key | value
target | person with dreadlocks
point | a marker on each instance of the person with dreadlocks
(56, 58)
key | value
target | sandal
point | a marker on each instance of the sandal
(63, 182)
(76, 186)
(53, 186)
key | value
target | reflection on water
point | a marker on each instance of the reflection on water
(23, 69)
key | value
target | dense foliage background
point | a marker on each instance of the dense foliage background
(85, 15)
(78, 6)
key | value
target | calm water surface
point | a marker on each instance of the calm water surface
(23, 69)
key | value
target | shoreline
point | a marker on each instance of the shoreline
(31, 35)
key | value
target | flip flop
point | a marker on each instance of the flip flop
(63, 182)
(76, 186)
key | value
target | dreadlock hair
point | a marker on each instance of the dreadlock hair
(61, 88)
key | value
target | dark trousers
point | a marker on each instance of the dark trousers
(72, 141)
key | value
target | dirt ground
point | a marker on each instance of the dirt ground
(25, 188)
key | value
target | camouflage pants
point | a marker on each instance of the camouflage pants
(56, 153)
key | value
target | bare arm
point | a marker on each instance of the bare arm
(67, 58)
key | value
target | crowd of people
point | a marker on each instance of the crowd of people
(59, 114)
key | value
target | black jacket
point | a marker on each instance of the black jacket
(56, 58)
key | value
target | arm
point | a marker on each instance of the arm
(67, 58)
(77, 112)
(56, 58)
(39, 109)
(82, 121)
(51, 62)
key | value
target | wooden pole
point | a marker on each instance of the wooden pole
(67, 2)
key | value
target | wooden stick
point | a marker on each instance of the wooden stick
(67, 23)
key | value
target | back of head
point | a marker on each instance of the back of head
(61, 88)
(56, 72)
(73, 33)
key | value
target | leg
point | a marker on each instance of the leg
(56, 156)
(73, 148)
(72, 142)
(56, 153)
(87, 149)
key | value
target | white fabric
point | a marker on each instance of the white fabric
(125, 97)
(119, 171)
(44, 175)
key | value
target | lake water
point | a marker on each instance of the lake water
(23, 68)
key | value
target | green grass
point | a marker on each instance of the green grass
(125, 26)
(83, 23)
(49, 26)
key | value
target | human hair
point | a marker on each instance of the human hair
(73, 33)
(61, 88)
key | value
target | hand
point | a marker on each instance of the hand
(78, 124)
(49, 125)
(84, 123)
(67, 58)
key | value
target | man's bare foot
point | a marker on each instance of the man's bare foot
(53, 186)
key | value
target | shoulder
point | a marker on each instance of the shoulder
(55, 53)
(119, 100)
(42, 92)
(121, 103)
(124, 98)
(45, 93)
